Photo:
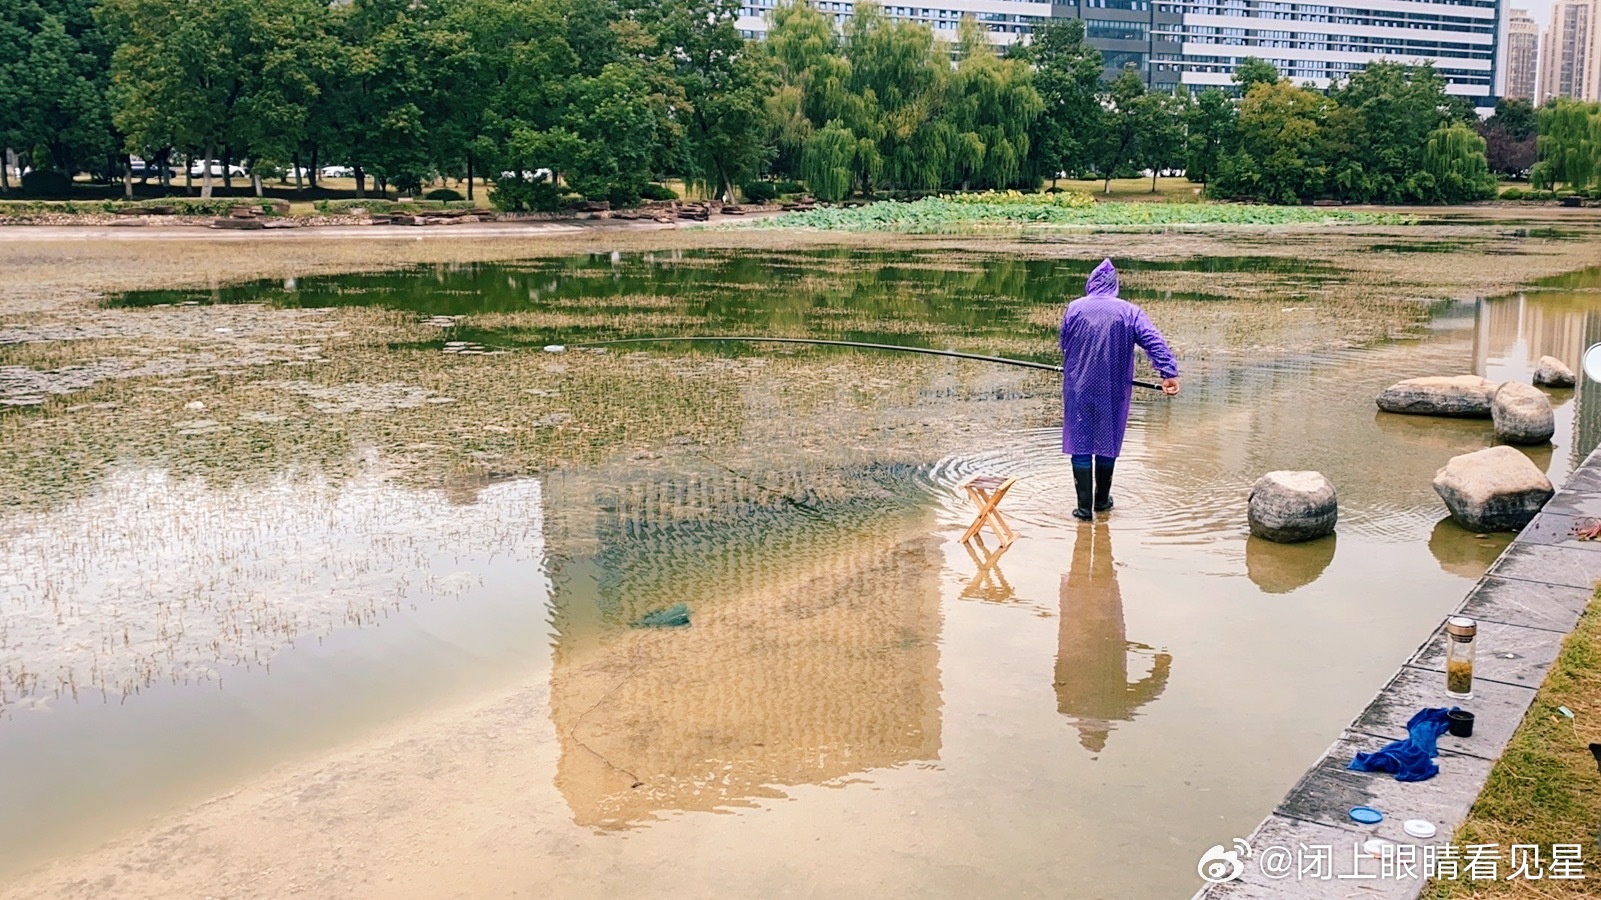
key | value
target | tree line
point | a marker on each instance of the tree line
(605, 98)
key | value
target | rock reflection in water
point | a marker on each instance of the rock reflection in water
(811, 655)
(1282, 568)
(1092, 679)
(1461, 552)
(1512, 333)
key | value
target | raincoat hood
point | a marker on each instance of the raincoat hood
(1103, 281)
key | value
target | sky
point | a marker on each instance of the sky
(1539, 10)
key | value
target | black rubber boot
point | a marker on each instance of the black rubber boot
(1103, 484)
(1084, 486)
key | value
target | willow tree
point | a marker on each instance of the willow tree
(829, 161)
(1454, 158)
(899, 71)
(808, 63)
(1569, 144)
(991, 108)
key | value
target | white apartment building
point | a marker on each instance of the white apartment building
(1318, 43)
(1008, 21)
(1198, 43)
(1522, 55)
(1570, 60)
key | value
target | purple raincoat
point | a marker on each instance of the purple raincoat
(1099, 333)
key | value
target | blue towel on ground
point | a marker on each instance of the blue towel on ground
(1413, 758)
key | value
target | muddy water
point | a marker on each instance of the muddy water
(858, 700)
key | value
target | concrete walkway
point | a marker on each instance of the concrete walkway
(1525, 605)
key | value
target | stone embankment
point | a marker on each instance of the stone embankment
(1525, 606)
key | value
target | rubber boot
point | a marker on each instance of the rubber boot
(1103, 484)
(1084, 486)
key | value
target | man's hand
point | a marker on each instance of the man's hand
(1170, 386)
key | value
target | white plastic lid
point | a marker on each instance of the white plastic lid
(1419, 828)
(1375, 846)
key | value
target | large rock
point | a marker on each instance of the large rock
(1464, 396)
(1522, 414)
(1496, 489)
(1553, 372)
(1288, 507)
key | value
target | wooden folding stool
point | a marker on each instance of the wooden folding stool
(986, 492)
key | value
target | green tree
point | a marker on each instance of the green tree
(1210, 126)
(1067, 76)
(804, 55)
(569, 86)
(1516, 117)
(829, 161)
(1569, 143)
(991, 105)
(1159, 141)
(1124, 114)
(211, 76)
(390, 85)
(1277, 156)
(722, 82)
(13, 50)
(53, 59)
(1384, 116)
(1253, 71)
(1454, 163)
(900, 73)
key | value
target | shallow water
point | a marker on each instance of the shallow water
(916, 298)
(1081, 714)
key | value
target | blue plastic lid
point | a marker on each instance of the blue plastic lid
(1367, 815)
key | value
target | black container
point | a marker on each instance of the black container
(1460, 723)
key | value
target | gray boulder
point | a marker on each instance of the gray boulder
(1289, 507)
(1522, 414)
(1463, 396)
(1496, 489)
(1553, 372)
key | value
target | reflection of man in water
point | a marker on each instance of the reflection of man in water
(1091, 653)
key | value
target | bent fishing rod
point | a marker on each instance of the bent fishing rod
(1003, 360)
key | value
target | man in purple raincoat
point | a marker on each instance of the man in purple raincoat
(1099, 333)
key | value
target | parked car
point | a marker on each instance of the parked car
(525, 175)
(198, 170)
(336, 172)
(139, 168)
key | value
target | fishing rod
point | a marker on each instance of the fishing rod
(1003, 360)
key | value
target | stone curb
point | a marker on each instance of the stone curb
(1526, 605)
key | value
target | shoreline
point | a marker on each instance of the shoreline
(1527, 604)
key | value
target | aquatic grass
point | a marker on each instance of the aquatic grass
(933, 215)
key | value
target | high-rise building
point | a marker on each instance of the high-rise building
(1570, 60)
(1199, 43)
(1320, 44)
(1522, 55)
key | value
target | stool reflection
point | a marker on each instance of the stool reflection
(988, 582)
(1092, 671)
